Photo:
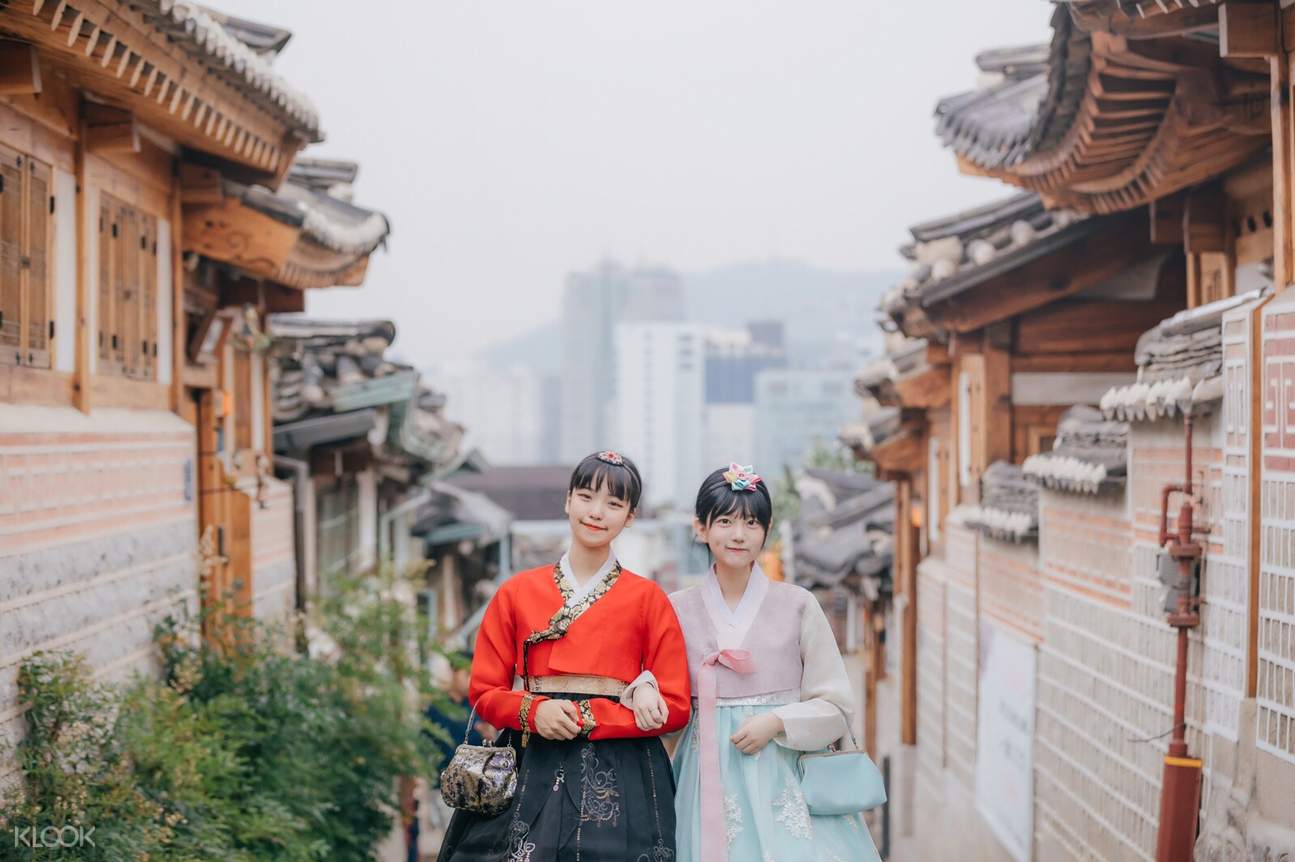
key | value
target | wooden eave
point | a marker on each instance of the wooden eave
(1155, 117)
(1118, 245)
(902, 452)
(110, 50)
(234, 233)
(924, 389)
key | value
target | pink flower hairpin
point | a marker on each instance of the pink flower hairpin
(607, 456)
(741, 478)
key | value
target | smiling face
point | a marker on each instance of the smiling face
(735, 539)
(597, 515)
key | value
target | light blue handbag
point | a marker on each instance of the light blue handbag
(838, 781)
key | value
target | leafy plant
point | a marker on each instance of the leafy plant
(242, 750)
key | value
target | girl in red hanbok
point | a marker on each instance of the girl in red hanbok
(583, 664)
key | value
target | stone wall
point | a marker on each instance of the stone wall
(98, 535)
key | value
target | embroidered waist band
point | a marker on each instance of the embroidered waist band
(602, 686)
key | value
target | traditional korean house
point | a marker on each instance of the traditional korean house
(1113, 658)
(148, 225)
(841, 550)
(361, 437)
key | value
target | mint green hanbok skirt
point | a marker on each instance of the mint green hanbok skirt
(764, 811)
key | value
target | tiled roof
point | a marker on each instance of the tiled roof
(330, 221)
(1009, 505)
(1180, 365)
(1090, 454)
(243, 65)
(957, 252)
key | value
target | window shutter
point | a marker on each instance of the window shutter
(107, 292)
(10, 256)
(128, 293)
(148, 296)
(39, 231)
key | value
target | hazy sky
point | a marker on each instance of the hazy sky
(511, 141)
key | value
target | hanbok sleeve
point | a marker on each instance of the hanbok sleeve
(493, 668)
(822, 716)
(665, 658)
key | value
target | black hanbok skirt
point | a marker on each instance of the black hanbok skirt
(604, 800)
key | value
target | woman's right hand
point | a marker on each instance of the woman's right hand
(557, 719)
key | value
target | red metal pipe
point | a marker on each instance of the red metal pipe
(1180, 790)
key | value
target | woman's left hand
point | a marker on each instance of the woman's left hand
(649, 707)
(756, 732)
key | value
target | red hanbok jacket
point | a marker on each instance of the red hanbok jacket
(631, 628)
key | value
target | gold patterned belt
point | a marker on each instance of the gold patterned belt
(602, 686)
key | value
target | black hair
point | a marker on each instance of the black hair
(717, 499)
(622, 480)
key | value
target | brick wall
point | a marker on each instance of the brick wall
(932, 582)
(98, 529)
(1011, 586)
(961, 644)
(1107, 658)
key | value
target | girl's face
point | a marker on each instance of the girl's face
(734, 540)
(597, 517)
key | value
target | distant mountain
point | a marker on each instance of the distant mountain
(539, 348)
(828, 315)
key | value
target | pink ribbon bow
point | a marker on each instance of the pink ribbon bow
(713, 831)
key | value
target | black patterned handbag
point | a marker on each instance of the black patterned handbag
(480, 778)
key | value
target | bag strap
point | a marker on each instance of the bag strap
(472, 720)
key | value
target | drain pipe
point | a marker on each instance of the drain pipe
(1180, 795)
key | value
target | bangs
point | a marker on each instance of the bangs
(743, 504)
(620, 480)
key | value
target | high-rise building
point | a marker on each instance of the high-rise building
(594, 304)
(733, 360)
(796, 409)
(659, 406)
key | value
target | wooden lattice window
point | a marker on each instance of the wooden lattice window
(127, 313)
(26, 244)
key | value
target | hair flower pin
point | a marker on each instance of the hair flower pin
(741, 478)
(607, 456)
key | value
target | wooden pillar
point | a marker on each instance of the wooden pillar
(906, 578)
(179, 325)
(869, 682)
(211, 515)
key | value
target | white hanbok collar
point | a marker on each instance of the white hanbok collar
(732, 625)
(579, 591)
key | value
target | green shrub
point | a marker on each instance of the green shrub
(244, 753)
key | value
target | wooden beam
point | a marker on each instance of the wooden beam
(19, 69)
(1283, 149)
(113, 138)
(200, 185)
(1248, 30)
(179, 323)
(1167, 219)
(1205, 221)
(1074, 362)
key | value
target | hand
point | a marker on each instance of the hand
(557, 719)
(486, 729)
(756, 732)
(649, 707)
